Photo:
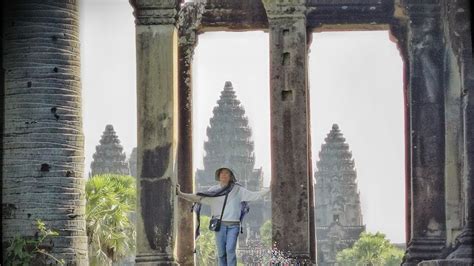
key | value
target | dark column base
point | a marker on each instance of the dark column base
(422, 249)
(155, 259)
(299, 259)
(455, 262)
(464, 249)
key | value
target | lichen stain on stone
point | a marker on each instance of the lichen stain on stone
(301, 205)
(155, 161)
(8, 210)
(434, 228)
(165, 120)
(157, 211)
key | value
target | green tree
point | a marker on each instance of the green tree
(371, 250)
(266, 234)
(111, 201)
(205, 244)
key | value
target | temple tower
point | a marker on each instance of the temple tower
(338, 212)
(229, 144)
(109, 157)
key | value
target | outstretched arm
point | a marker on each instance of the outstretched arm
(248, 195)
(187, 196)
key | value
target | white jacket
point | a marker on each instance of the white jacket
(232, 207)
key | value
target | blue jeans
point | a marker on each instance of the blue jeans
(226, 242)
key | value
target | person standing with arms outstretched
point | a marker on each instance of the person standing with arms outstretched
(228, 202)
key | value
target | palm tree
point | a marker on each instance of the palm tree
(43, 155)
(266, 234)
(205, 244)
(111, 201)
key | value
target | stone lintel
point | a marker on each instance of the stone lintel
(294, 9)
(244, 15)
(369, 12)
(422, 9)
(237, 15)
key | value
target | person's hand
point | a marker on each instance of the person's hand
(178, 189)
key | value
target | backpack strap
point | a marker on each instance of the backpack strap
(244, 209)
(197, 209)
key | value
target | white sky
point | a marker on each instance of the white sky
(355, 81)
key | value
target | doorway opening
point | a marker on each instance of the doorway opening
(231, 125)
(358, 139)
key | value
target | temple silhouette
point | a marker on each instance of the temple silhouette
(338, 212)
(229, 143)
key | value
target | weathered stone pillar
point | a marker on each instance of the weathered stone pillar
(464, 250)
(291, 177)
(398, 34)
(460, 33)
(157, 96)
(42, 139)
(188, 23)
(426, 96)
(311, 188)
(454, 148)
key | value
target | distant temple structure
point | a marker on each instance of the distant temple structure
(109, 157)
(337, 209)
(229, 144)
(132, 162)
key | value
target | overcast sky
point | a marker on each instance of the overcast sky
(355, 81)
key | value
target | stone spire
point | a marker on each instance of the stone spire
(229, 143)
(109, 157)
(338, 211)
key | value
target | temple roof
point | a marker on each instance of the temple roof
(229, 140)
(228, 128)
(336, 186)
(335, 156)
(109, 156)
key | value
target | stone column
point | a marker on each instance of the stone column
(426, 97)
(42, 154)
(291, 177)
(188, 23)
(398, 34)
(454, 149)
(312, 205)
(460, 36)
(464, 251)
(157, 96)
(461, 76)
